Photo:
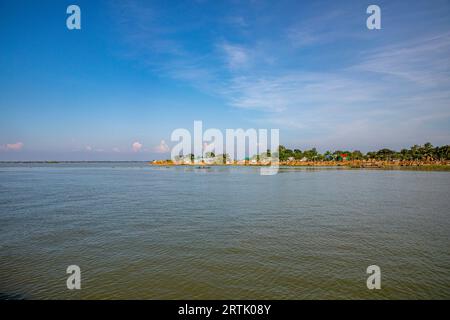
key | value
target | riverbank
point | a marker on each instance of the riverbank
(369, 164)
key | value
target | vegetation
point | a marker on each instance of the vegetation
(425, 155)
(427, 152)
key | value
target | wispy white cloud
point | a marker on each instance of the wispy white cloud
(162, 147)
(424, 61)
(12, 146)
(299, 91)
(136, 146)
(235, 56)
(92, 149)
(237, 21)
(407, 102)
(324, 28)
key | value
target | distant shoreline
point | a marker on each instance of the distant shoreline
(353, 164)
(350, 164)
(75, 161)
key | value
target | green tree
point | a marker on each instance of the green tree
(282, 153)
(311, 154)
(443, 153)
(427, 151)
(371, 155)
(405, 154)
(415, 152)
(328, 155)
(298, 154)
(356, 155)
(385, 154)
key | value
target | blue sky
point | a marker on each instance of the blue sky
(137, 70)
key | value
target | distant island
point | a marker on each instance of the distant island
(424, 156)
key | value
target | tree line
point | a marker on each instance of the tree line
(416, 152)
(426, 152)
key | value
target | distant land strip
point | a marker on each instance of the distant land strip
(426, 156)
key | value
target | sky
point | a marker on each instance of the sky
(137, 70)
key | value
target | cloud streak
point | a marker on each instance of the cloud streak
(235, 56)
(136, 146)
(12, 146)
(162, 147)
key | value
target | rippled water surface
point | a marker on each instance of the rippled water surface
(145, 232)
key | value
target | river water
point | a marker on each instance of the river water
(143, 232)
